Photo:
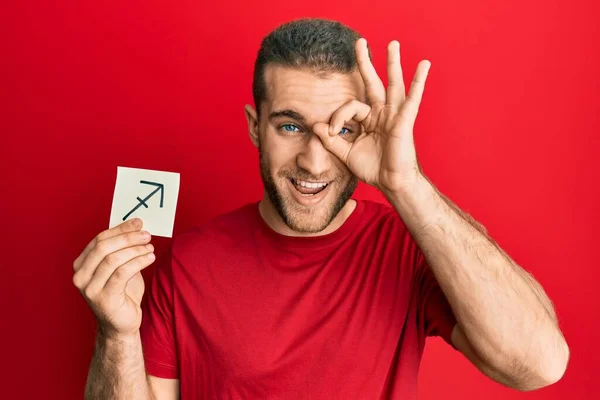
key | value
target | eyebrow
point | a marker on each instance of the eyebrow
(287, 113)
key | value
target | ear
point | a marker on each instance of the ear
(252, 119)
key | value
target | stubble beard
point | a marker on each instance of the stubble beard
(297, 217)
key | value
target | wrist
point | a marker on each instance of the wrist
(414, 190)
(415, 203)
(111, 336)
(121, 351)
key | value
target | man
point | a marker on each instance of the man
(310, 294)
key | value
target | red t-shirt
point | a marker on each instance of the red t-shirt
(238, 311)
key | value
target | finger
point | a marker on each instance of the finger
(396, 92)
(118, 280)
(373, 84)
(352, 110)
(334, 144)
(127, 226)
(110, 264)
(105, 247)
(410, 108)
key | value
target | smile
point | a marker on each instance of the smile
(308, 193)
(308, 188)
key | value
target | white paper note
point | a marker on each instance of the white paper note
(146, 194)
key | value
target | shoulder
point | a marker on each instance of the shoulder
(219, 231)
(381, 217)
(382, 222)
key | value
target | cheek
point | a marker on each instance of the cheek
(281, 156)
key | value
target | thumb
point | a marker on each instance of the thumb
(332, 141)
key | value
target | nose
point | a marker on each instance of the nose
(313, 157)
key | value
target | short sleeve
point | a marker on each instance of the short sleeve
(157, 329)
(434, 309)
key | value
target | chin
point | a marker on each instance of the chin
(307, 219)
(307, 214)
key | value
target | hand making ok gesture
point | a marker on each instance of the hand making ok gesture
(383, 155)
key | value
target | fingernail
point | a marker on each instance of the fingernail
(146, 234)
(151, 256)
(150, 247)
(137, 222)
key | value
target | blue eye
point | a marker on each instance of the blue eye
(342, 131)
(290, 128)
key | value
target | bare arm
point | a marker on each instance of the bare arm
(117, 370)
(506, 324)
(107, 273)
(534, 285)
(506, 318)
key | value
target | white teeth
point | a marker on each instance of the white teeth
(310, 185)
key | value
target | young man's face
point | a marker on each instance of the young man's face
(306, 184)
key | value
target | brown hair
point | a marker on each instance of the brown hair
(320, 45)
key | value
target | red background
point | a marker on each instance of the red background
(508, 129)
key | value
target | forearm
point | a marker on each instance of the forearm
(533, 284)
(117, 370)
(505, 315)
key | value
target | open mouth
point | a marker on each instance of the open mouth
(308, 188)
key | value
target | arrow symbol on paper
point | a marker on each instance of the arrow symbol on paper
(142, 202)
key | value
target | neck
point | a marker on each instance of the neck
(269, 214)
